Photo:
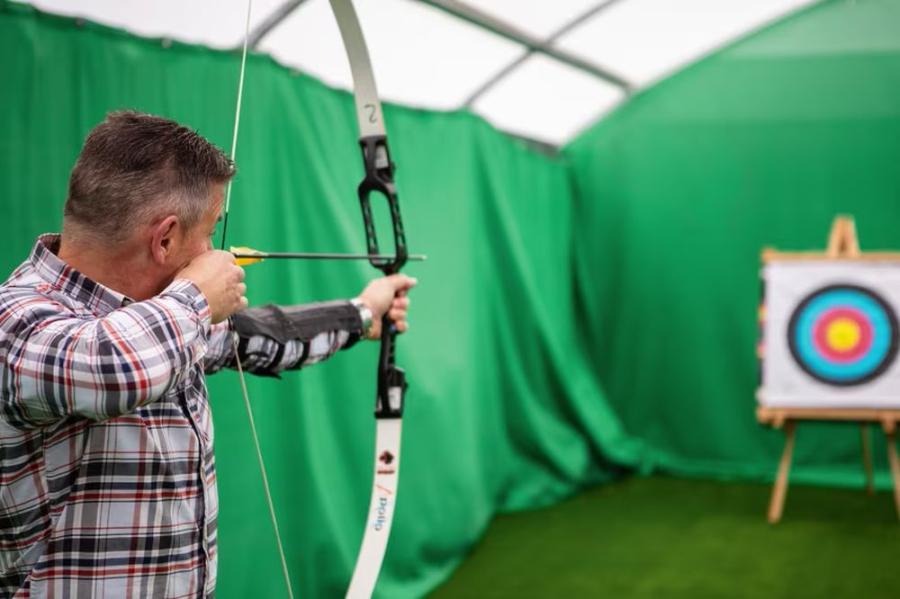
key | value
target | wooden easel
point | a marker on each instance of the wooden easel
(842, 245)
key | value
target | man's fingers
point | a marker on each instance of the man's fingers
(398, 310)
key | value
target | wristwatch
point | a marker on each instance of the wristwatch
(365, 315)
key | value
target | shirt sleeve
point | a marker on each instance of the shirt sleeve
(59, 365)
(271, 339)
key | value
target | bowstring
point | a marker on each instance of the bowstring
(234, 337)
(237, 121)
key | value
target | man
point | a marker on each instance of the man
(107, 478)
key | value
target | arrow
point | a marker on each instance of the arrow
(246, 256)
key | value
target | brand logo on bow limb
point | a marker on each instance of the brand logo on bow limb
(380, 514)
(386, 458)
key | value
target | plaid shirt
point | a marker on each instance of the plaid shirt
(107, 477)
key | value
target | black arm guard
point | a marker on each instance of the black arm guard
(302, 323)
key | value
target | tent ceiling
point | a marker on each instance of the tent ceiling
(540, 69)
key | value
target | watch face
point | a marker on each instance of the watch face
(365, 315)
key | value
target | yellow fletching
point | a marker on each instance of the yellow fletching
(245, 261)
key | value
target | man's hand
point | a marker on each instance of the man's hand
(220, 280)
(387, 295)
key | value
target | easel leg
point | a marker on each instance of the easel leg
(895, 466)
(779, 491)
(867, 457)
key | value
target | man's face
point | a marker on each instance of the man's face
(198, 239)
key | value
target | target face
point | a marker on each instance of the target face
(843, 335)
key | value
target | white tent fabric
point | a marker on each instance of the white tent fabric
(447, 54)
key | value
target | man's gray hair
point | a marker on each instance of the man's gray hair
(135, 168)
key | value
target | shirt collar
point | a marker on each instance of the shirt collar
(51, 269)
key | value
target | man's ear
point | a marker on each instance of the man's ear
(164, 238)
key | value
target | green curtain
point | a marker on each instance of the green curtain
(504, 412)
(677, 192)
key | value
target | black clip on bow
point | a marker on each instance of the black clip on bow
(379, 178)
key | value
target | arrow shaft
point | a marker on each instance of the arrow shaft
(320, 256)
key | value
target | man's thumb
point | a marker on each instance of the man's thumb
(401, 282)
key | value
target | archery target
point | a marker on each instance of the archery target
(843, 335)
(830, 338)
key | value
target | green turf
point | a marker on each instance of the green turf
(660, 537)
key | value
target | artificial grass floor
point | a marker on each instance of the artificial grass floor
(662, 537)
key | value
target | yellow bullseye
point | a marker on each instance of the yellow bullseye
(843, 334)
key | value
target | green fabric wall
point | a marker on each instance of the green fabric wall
(503, 412)
(676, 192)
